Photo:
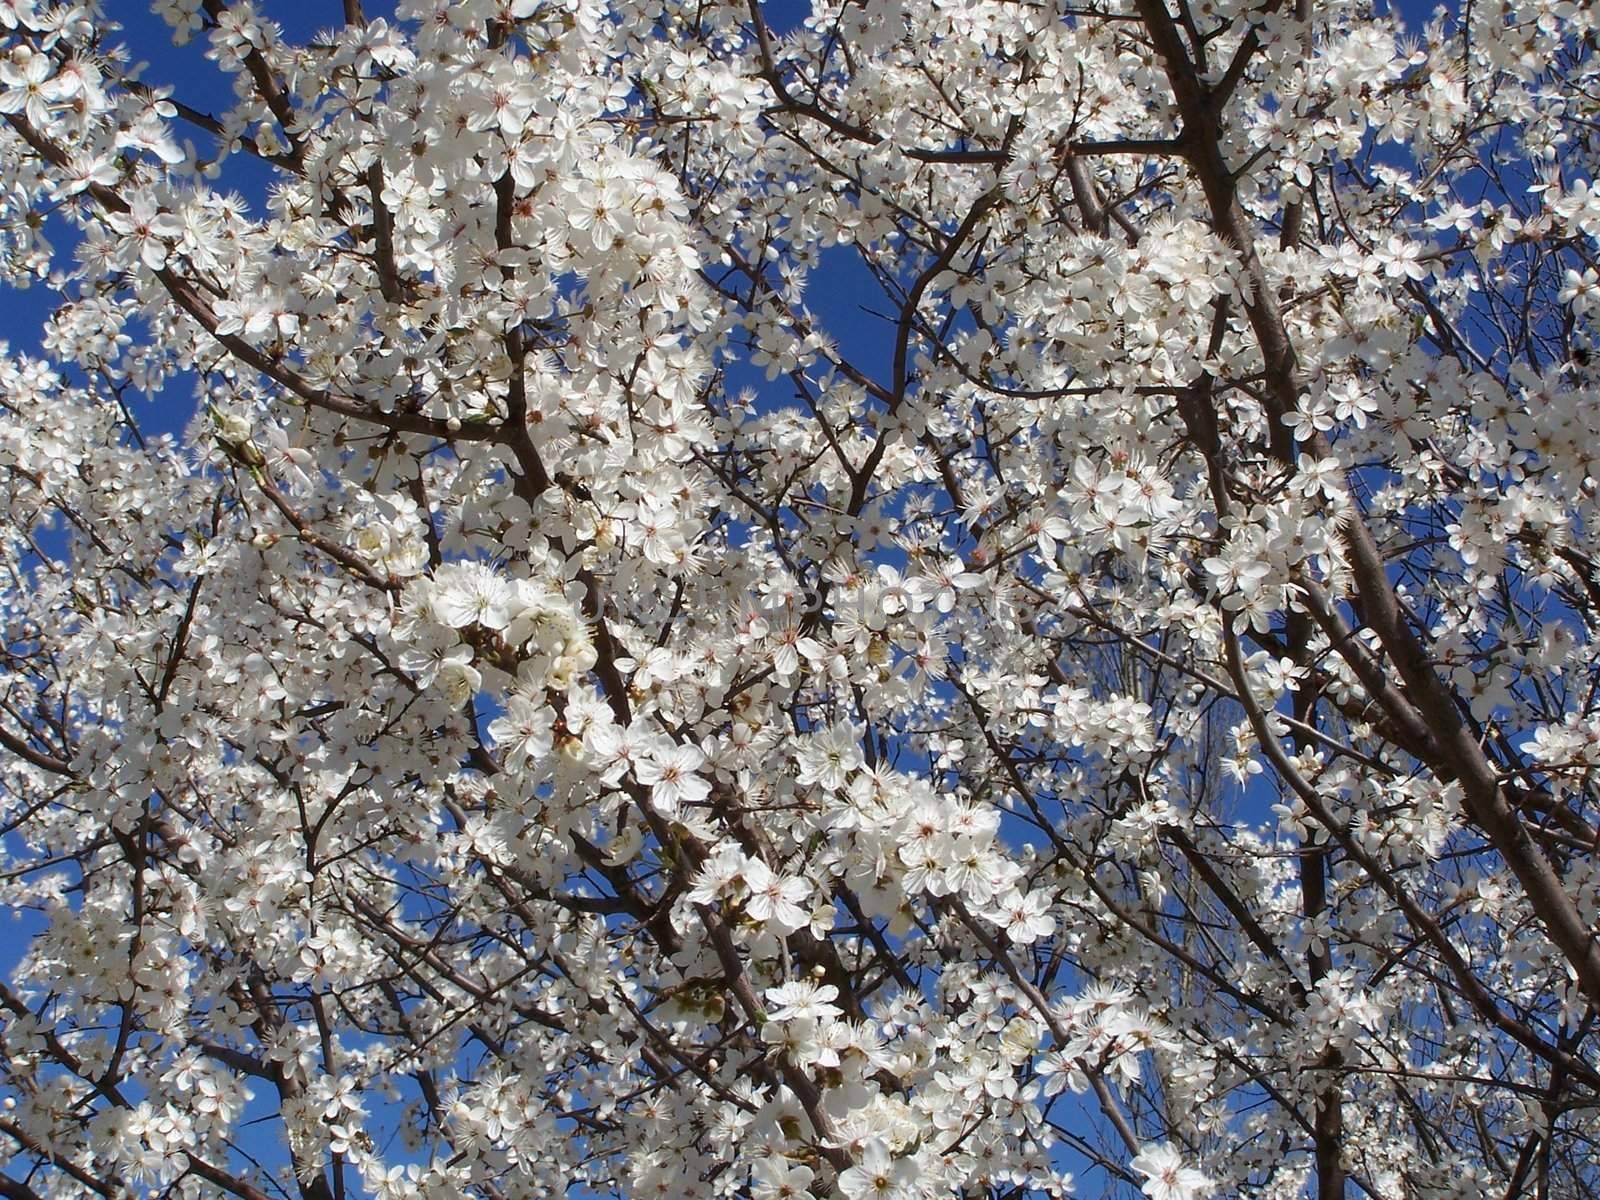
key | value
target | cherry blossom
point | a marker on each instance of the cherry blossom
(1166, 1178)
(713, 600)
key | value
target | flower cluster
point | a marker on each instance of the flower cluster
(877, 606)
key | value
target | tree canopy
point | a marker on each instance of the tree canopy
(919, 598)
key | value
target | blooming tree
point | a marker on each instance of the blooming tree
(1113, 711)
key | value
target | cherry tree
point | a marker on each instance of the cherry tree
(978, 598)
